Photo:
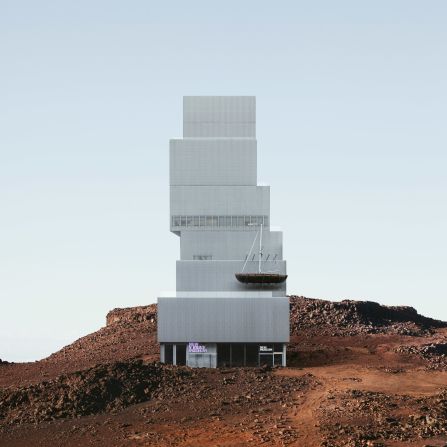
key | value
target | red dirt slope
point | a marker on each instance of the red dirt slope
(359, 375)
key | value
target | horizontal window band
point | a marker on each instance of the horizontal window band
(218, 221)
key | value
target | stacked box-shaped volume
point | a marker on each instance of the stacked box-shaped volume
(223, 219)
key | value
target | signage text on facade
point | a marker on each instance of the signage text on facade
(195, 348)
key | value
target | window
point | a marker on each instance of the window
(169, 357)
(218, 221)
(237, 354)
(224, 355)
(180, 354)
(257, 220)
(251, 354)
(202, 257)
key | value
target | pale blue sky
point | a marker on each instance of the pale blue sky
(351, 106)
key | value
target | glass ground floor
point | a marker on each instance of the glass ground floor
(212, 355)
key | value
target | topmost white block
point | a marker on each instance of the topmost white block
(219, 117)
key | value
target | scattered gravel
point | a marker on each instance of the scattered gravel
(358, 418)
(434, 353)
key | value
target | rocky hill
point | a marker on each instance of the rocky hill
(129, 316)
(360, 374)
(130, 333)
(350, 317)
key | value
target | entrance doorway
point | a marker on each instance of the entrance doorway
(270, 355)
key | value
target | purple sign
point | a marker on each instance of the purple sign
(195, 348)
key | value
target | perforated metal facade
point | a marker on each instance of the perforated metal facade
(226, 320)
(219, 211)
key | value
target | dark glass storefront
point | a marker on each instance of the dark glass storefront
(227, 354)
(249, 354)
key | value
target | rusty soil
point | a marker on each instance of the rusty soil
(358, 375)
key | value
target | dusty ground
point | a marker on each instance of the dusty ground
(369, 388)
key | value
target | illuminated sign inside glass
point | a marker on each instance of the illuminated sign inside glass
(195, 348)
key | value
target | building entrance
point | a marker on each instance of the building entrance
(201, 355)
(271, 355)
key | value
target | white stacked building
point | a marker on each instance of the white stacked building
(230, 306)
